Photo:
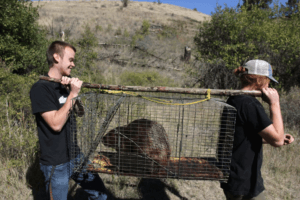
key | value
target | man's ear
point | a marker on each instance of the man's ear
(56, 57)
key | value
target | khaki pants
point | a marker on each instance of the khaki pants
(229, 196)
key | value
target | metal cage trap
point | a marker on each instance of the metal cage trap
(153, 135)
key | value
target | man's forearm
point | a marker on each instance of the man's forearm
(56, 119)
(276, 118)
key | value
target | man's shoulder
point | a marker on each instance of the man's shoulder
(242, 101)
(43, 84)
(239, 99)
(42, 88)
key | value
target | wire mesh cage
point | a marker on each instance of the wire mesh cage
(152, 135)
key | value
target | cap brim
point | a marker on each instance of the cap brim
(273, 79)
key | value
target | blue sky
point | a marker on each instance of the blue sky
(204, 6)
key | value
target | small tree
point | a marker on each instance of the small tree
(145, 27)
(125, 3)
(264, 4)
(22, 42)
(292, 6)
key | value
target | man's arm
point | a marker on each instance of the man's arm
(288, 139)
(274, 133)
(56, 119)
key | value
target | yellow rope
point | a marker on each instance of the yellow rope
(156, 100)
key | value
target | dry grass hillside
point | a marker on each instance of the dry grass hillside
(72, 15)
(170, 29)
(125, 46)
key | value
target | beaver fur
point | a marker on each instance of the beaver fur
(144, 145)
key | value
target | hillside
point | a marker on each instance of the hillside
(112, 12)
(160, 46)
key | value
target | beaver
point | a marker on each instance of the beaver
(143, 142)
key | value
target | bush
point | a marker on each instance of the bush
(98, 28)
(18, 133)
(14, 94)
(140, 34)
(238, 35)
(125, 3)
(263, 4)
(170, 31)
(22, 42)
(126, 33)
(109, 28)
(118, 31)
(145, 27)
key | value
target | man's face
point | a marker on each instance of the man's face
(67, 62)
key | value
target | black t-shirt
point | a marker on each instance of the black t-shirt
(245, 175)
(48, 96)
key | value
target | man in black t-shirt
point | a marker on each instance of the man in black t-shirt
(51, 104)
(253, 128)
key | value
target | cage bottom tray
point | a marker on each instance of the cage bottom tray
(180, 168)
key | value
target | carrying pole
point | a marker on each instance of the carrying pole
(200, 91)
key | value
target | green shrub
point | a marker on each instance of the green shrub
(263, 4)
(98, 28)
(126, 33)
(145, 27)
(14, 94)
(140, 34)
(125, 3)
(135, 38)
(22, 42)
(18, 133)
(109, 28)
(118, 31)
(292, 7)
(170, 31)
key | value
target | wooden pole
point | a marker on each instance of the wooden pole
(254, 93)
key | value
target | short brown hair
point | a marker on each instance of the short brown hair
(57, 47)
(251, 79)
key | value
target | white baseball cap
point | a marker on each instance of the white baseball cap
(259, 67)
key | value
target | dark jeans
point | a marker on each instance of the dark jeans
(229, 196)
(90, 183)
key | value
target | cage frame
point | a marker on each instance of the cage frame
(206, 162)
